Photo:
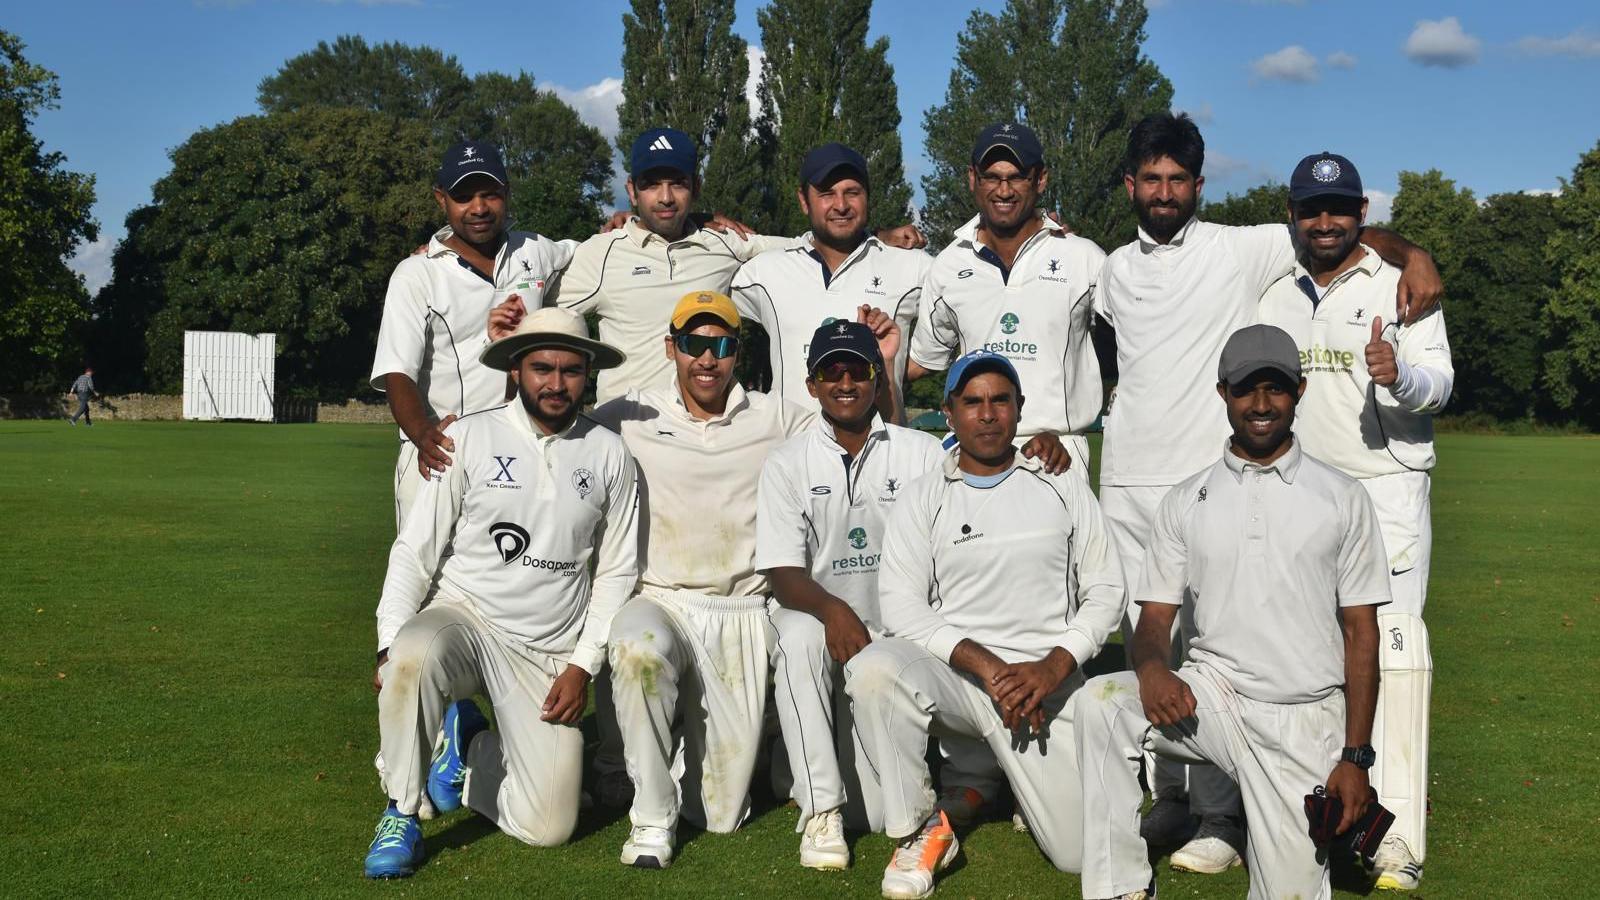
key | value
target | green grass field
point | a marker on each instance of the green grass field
(187, 706)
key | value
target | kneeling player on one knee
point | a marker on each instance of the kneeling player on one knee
(517, 615)
(819, 539)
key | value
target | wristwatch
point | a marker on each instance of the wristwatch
(1361, 757)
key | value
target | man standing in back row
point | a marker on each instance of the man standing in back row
(1372, 388)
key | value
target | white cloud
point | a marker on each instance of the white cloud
(1202, 114)
(1442, 43)
(1293, 63)
(754, 55)
(596, 103)
(1380, 205)
(1232, 171)
(1341, 60)
(93, 261)
(1544, 192)
(1580, 43)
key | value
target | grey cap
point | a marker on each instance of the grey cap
(1255, 348)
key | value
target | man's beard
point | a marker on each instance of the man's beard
(554, 424)
(1164, 229)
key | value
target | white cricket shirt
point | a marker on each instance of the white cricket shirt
(1021, 568)
(822, 511)
(513, 529)
(1345, 419)
(790, 292)
(1270, 554)
(632, 278)
(436, 318)
(1173, 307)
(699, 483)
(1039, 315)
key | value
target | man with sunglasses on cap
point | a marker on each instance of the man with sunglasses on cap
(693, 642)
(997, 584)
(1280, 560)
(1373, 386)
(829, 274)
(531, 539)
(823, 501)
(1015, 283)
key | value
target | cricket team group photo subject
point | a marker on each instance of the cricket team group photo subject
(664, 478)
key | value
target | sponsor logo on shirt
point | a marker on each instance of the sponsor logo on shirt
(859, 563)
(511, 541)
(641, 270)
(1318, 358)
(502, 477)
(821, 489)
(967, 535)
(964, 273)
(583, 482)
(1009, 323)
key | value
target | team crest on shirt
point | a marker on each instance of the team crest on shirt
(875, 286)
(583, 482)
(1052, 272)
(858, 538)
(1008, 323)
(890, 487)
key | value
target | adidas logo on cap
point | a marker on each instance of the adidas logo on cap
(661, 144)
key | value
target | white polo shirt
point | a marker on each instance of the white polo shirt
(1345, 419)
(1269, 554)
(436, 318)
(1173, 306)
(538, 533)
(700, 482)
(790, 292)
(632, 278)
(1022, 567)
(1039, 315)
(822, 511)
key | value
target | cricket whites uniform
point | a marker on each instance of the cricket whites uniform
(1265, 557)
(632, 278)
(791, 292)
(1173, 307)
(1039, 314)
(533, 541)
(1021, 567)
(436, 321)
(695, 638)
(821, 511)
(1382, 437)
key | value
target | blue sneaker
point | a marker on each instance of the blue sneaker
(396, 849)
(448, 774)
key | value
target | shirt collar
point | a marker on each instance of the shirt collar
(524, 423)
(437, 246)
(1369, 264)
(737, 400)
(879, 432)
(952, 463)
(1148, 244)
(968, 233)
(642, 236)
(1285, 467)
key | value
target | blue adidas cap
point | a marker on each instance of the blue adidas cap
(662, 148)
(976, 363)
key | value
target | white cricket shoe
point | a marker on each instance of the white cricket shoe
(916, 859)
(961, 803)
(648, 847)
(822, 845)
(1397, 869)
(1019, 823)
(1214, 849)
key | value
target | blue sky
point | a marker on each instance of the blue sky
(1499, 96)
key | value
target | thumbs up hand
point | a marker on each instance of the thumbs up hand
(1380, 356)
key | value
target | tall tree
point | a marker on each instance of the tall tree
(416, 83)
(1263, 204)
(1572, 369)
(821, 81)
(44, 216)
(1433, 213)
(1074, 71)
(683, 67)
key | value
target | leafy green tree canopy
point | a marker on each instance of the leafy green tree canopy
(1572, 368)
(1264, 204)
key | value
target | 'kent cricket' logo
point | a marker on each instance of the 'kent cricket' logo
(858, 538)
(1008, 323)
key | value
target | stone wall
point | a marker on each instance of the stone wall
(148, 407)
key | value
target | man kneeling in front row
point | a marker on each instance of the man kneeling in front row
(536, 494)
(997, 584)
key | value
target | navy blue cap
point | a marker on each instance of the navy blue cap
(976, 363)
(840, 336)
(662, 148)
(823, 161)
(1325, 173)
(1019, 141)
(470, 158)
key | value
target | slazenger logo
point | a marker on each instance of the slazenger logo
(964, 273)
(1008, 323)
(510, 539)
(821, 489)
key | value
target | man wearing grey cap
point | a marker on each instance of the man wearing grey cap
(1280, 559)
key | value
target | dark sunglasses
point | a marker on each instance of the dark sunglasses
(858, 370)
(696, 345)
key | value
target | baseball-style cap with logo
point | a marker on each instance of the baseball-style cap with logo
(823, 161)
(1258, 347)
(662, 148)
(709, 303)
(1325, 173)
(470, 158)
(550, 326)
(976, 363)
(843, 337)
(1018, 141)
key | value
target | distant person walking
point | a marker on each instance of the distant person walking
(84, 389)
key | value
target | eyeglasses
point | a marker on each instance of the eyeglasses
(858, 370)
(696, 345)
(991, 181)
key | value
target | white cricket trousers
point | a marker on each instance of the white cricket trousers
(701, 660)
(526, 773)
(902, 693)
(1278, 753)
(825, 756)
(407, 481)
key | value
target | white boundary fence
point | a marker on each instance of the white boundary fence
(228, 375)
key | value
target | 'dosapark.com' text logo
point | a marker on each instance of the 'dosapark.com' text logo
(511, 541)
